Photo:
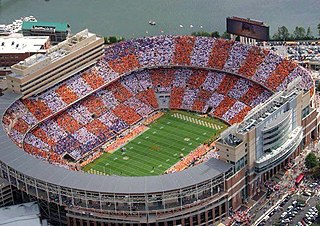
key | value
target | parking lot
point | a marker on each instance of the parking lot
(299, 209)
(299, 51)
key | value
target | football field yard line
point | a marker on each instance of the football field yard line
(196, 121)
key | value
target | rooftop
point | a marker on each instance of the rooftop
(230, 140)
(22, 214)
(27, 25)
(55, 52)
(22, 44)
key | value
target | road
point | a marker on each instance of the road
(287, 187)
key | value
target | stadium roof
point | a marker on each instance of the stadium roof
(18, 159)
(27, 25)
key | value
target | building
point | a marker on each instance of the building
(6, 195)
(20, 215)
(57, 32)
(15, 48)
(40, 71)
(270, 137)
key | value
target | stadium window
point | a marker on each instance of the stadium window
(170, 223)
(246, 150)
(186, 221)
(245, 144)
(227, 155)
(223, 208)
(227, 149)
(203, 217)
(210, 217)
(216, 211)
(195, 219)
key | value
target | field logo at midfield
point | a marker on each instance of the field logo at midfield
(197, 121)
(155, 148)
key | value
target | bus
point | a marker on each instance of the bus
(299, 179)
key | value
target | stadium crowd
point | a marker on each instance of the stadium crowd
(96, 105)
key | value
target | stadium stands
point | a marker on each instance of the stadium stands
(83, 112)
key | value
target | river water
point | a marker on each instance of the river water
(129, 18)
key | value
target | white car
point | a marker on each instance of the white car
(285, 221)
(283, 214)
(312, 212)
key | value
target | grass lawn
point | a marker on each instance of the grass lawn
(158, 148)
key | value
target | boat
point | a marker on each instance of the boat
(15, 26)
(152, 22)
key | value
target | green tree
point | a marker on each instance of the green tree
(112, 39)
(318, 29)
(311, 161)
(215, 34)
(316, 172)
(318, 87)
(309, 34)
(225, 35)
(201, 33)
(282, 34)
(318, 206)
(299, 33)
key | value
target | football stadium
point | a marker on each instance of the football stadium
(164, 130)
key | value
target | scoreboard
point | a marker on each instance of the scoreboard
(248, 28)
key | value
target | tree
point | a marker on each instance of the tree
(318, 87)
(309, 34)
(299, 33)
(201, 33)
(318, 29)
(282, 34)
(316, 172)
(225, 35)
(318, 206)
(215, 34)
(311, 161)
(112, 39)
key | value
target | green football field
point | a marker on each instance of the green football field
(159, 147)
